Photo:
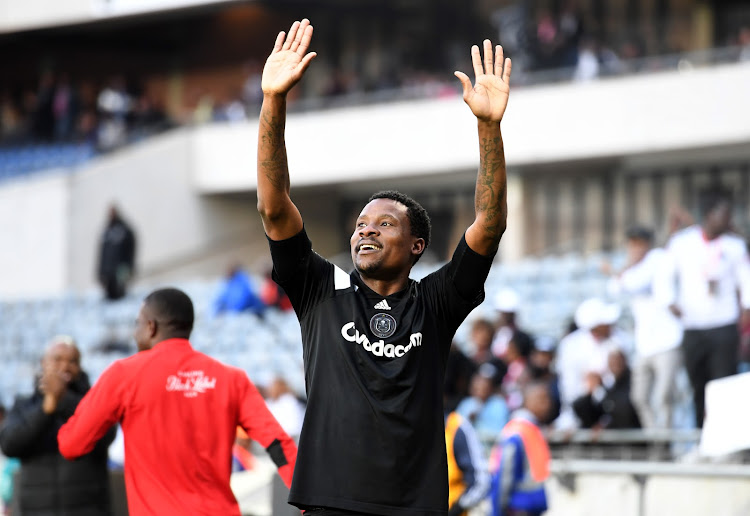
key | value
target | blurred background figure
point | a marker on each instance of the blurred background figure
(236, 294)
(486, 410)
(287, 408)
(116, 256)
(272, 294)
(707, 266)
(541, 370)
(507, 303)
(520, 462)
(608, 405)
(459, 369)
(584, 351)
(658, 333)
(47, 483)
(480, 342)
(468, 481)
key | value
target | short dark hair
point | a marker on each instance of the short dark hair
(172, 308)
(640, 233)
(419, 220)
(710, 199)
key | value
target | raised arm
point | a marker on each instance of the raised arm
(488, 99)
(284, 68)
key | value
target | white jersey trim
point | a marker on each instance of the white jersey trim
(341, 280)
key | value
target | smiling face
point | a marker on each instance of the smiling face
(382, 245)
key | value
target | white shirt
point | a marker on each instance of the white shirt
(580, 353)
(656, 328)
(708, 274)
(289, 412)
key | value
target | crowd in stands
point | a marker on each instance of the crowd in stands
(64, 110)
(67, 110)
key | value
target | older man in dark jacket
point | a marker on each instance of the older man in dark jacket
(48, 484)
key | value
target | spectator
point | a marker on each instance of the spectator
(658, 333)
(586, 350)
(520, 463)
(288, 410)
(468, 481)
(184, 467)
(608, 406)
(272, 294)
(116, 256)
(236, 294)
(487, 411)
(516, 373)
(459, 369)
(710, 265)
(64, 108)
(114, 104)
(480, 339)
(588, 61)
(507, 302)
(49, 484)
(540, 370)
(743, 39)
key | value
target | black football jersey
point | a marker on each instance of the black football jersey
(373, 436)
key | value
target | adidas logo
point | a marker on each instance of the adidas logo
(383, 305)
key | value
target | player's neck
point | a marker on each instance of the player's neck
(385, 287)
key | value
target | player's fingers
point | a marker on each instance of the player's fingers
(476, 61)
(279, 41)
(487, 57)
(298, 37)
(506, 70)
(465, 82)
(302, 66)
(499, 61)
(305, 42)
(290, 37)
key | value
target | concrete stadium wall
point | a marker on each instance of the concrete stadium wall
(35, 236)
(620, 495)
(180, 233)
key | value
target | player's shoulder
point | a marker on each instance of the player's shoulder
(685, 234)
(735, 242)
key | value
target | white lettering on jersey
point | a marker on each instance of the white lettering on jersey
(379, 348)
(190, 383)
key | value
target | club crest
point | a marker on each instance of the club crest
(383, 325)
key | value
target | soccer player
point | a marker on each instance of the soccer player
(179, 410)
(375, 343)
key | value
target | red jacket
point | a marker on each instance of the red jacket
(179, 410)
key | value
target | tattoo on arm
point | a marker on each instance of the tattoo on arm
(491, 186)
(272, 152)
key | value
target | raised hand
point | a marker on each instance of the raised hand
(288, 60)
(488, 97)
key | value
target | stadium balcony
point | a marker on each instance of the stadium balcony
(19, 161)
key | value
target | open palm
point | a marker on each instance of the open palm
(488, 98)
(288, 60)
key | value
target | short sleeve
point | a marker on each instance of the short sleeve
(305, 276)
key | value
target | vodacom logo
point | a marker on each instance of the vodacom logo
(379, 348)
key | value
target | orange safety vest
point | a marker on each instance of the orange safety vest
(456, 485)
(534, 444)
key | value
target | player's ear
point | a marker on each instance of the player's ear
(417, 247)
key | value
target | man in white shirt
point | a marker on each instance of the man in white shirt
(586, 351)
(658, 333)
(709, 265)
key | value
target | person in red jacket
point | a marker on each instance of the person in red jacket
(179, 410)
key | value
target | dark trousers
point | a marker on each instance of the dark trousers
(327, 511)
(709, 354)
